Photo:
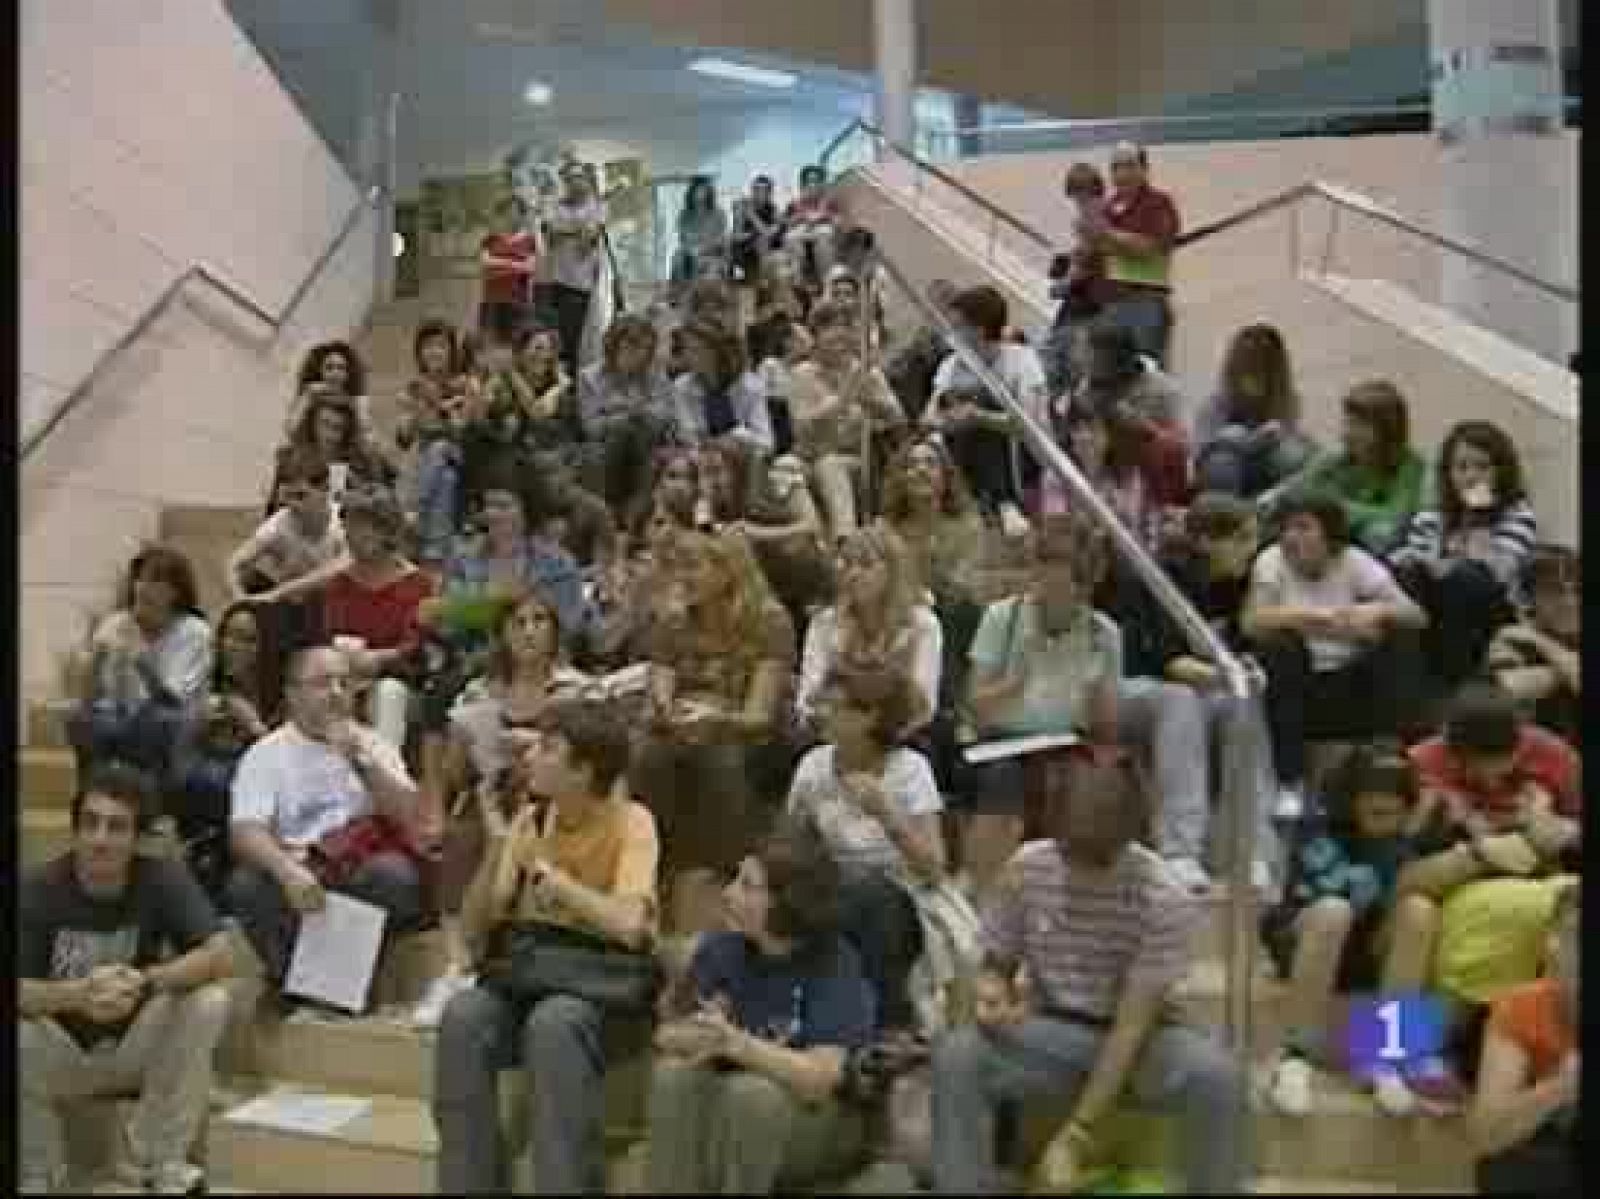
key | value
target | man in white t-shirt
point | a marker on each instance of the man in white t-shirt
(976, 428)
(298, 794)
(1335, 635)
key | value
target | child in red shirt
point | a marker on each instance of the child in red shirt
(507, 259)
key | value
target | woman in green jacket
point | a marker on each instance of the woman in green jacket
(1375, 473)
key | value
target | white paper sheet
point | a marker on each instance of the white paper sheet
(301, 1111)
(336, 953)
(1015, 747)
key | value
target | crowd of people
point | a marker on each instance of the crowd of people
(699, 642)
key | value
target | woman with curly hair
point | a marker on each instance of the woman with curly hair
(926, 502)
(880, 622)
(330, 426)
(333, 370)
(721, 650)
(1463, 560)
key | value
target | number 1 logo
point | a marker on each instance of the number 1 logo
(1393, 1032)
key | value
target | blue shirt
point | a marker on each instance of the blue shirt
(544, 567)
(815, 997)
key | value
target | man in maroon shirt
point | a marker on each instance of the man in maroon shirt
(1135, 232)
(507, 257)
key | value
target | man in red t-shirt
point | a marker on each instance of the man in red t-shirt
(1491, 769)
(507, 258)
(1135, 232)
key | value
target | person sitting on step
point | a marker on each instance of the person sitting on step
(1523, 1120)
(321, 803)
(577, 865)
(123, 964)
(1105, 933)
(748, 1067)
(1340, 926)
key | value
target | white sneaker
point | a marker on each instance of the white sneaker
(1290, 1087)
(1261, 878)
(1189, 873)
(1392, 1095)
(178, 1178)
(1291, 804)
(430, 1008)
(1012, 523)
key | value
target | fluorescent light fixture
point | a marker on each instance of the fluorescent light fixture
(721, 68)
(538, 93)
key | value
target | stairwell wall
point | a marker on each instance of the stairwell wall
(154, 137)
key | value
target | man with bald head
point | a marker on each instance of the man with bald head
(319, 803)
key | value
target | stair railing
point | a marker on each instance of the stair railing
(1037, 248)
(199, 272)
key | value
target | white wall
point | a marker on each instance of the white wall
(153, 137)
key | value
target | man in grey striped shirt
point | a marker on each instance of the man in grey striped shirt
(1105, 934)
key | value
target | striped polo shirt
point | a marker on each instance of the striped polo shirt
(1085, 938)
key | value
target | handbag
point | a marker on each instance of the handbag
(533, 960)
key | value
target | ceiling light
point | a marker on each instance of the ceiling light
(721, 68)
(398, 245)
(537, 93)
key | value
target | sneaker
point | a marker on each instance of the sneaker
(1289, 1089)
(1189, 873)
(430, 1008)
(1291, 804)
(177, 1178)
(1012, 523)
(1392, 1095)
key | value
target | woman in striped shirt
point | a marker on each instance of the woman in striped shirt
(1463, 559)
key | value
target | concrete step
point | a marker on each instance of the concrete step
(205, 522)
(1347, 1147)
(48, 777)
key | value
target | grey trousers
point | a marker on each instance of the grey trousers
(733, 1132)
(1179, 1069)
(558, 1041)
(166, 1056)
(390, 881)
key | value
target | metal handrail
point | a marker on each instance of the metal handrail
(200, 272)
(1338, 196)
(943, 176)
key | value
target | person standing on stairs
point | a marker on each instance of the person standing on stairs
(1135, 232)
(507, 258)
(569, 270)
(122, 964)
(321, 803)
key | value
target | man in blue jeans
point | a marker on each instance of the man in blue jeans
(1136, 231)
(1104, 933)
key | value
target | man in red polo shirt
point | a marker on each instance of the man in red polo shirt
(1491, 769)
(1135, 232)
(507, 257)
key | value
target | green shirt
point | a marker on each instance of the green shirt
(1059, 681)
(1379, 506)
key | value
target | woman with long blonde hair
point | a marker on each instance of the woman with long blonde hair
(879, 622)
(721, 651)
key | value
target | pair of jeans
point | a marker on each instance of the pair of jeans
(978, 1073)
(1466, 605)
(166, 1055)
(564, 1044)
(1374, 694)
(1146, 313)
(1235, 463)
(148, 735)
(878, 916)
(389, 881)
(565, 309)
(984, 459)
